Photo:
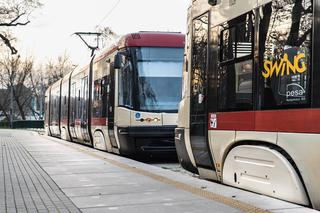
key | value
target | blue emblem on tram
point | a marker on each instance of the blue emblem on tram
(138, 115)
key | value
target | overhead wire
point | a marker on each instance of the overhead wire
(109, 13)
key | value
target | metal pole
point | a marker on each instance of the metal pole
(41, 99)
(11, 107)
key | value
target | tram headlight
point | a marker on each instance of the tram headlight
(156, 119)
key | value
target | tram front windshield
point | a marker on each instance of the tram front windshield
(159, 78)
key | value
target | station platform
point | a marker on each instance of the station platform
(44, 174)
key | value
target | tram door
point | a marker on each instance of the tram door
(198, 96)
(111, 96)
(84, 109)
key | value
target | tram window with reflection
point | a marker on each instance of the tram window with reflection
(146, 77)
(286, 54)
(159, 70)
(284, 66)
(100, 97)
(73, 102)
(126, 84)
(235, 74)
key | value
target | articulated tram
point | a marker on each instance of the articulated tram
(250, 111)
(126, 100)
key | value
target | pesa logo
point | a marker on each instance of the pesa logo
(295, 90)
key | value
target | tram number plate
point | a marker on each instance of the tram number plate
(213, 121)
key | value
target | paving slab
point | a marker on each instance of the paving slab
(43, 174)
(24, 185)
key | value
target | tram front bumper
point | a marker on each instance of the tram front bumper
(147, 139)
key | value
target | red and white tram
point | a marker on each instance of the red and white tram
(126, 100)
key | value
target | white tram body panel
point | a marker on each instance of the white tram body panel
(263, 170)
(304, 150)
(260, 168)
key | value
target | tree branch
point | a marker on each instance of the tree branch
(12, 22)
(308, 10)
(303, 37)
(8, 44)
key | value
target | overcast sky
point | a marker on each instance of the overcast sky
(49, 33)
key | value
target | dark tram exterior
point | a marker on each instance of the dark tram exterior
(250, 107)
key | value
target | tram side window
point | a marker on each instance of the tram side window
(228, 44)
(285, 44)
(57, 105)
(235, 68)
(78, 114)
(73, 103)
(96, 109)
(64, 108)
(244, 37)
(84, 98)
(54, 109)
(199, 66)
(126, 85)
(105, 89)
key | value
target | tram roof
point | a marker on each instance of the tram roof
(146, 39)
(140, 39)
(152, 39)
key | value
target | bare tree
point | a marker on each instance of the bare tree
(14, 13)
(108, 36)
(37, 85)
(14, 74)
(4, 106)
(28, 84)
(42, 77)
(55, 70)
(285, 22)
